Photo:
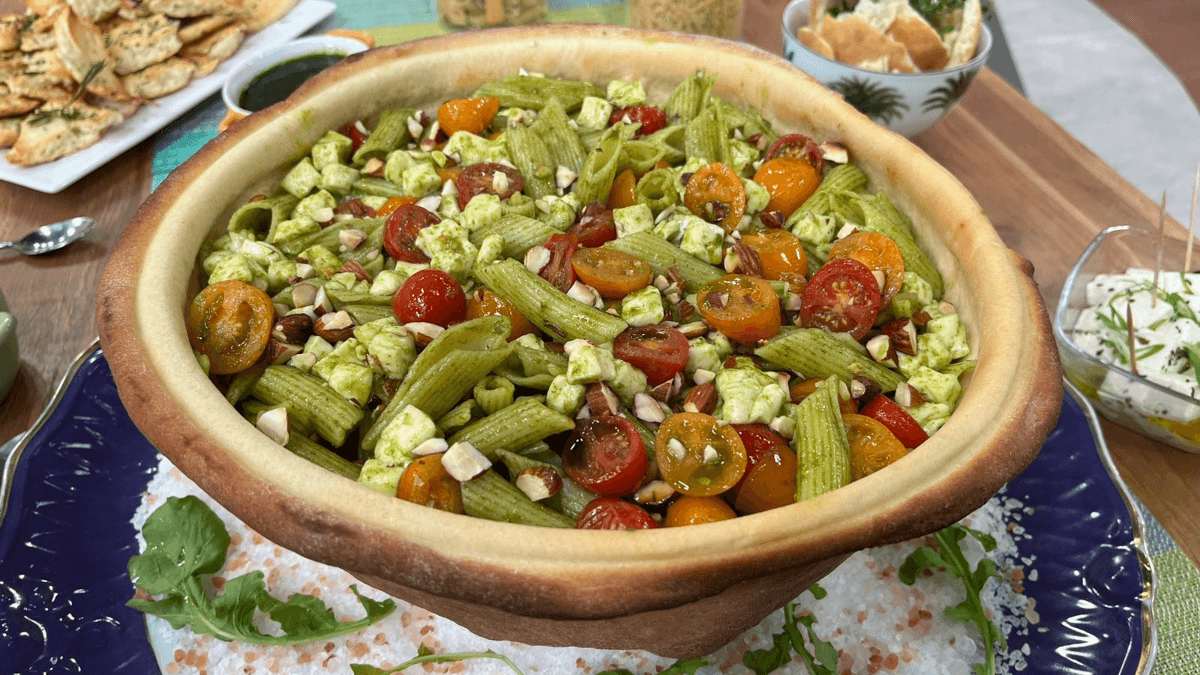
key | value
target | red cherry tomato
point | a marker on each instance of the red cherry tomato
(606, 455)
(658, 351)
(595, 226)
(430, 296)
(760, 440)
(798, 146)
(559, 271)
(843, 297)
(897, 420)
(402, 228)
(610, 513)
(483, 178)
(350, 130)
(651, 118)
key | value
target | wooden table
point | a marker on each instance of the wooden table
(1046, 194)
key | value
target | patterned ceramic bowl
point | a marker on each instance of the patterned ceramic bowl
(905, 103)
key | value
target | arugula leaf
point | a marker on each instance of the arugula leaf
(823, 658)
(1193, 355)
(949, 555)
(186, 541)
(426, 655)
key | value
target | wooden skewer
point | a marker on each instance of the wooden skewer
(1187, 256)
(1132, 344)
(1162, 221)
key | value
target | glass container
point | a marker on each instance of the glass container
(722, 18)
(1124, 398)
(490, 13)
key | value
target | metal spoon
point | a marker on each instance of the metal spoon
(52, 237)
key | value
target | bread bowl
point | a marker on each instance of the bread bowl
(680, 592)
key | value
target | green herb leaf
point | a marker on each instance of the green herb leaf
(185, 541)
(764, 661)
(949, 555)
(425, 655)
(1193, 355)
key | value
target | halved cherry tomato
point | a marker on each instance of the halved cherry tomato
(426, 482)
(430, 296)
(744, 308)
(624, 190)
(897, 419)
(716, 194)
(402, 228)
(789, 181)
(449, 172)
(614, 273)
(771, 483)
(801, 390)
(484, 178)
(595, 226)
(872, 445)
(699, 456)
(878, 252)
(486, 303)
(559, 271)
(658, 351)
(651, 118)
(468, 114)
(230, 322)
(843, 297)
(800, 147)
(610, 513)
(389, 207)
(606, 455)
(689, 510)
(780, 252)
(759, 440)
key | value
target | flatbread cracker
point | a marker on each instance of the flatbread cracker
(81, 47)
(195, 29)
(160, 79)
(258, 14)
(10, 129)
(208, 53)
(855, 41)
(813, 40)
(135, 45)
(10, 31)
(94, 10)
(922, 42)
(58, 132)
(182, 9)
(964, 42)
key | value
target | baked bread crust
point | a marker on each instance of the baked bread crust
(583, 588)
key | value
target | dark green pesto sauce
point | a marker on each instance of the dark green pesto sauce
(279, 82)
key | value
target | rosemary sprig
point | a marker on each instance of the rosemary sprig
(66, 111)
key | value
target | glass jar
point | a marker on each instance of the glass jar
(489, 13)
(722, 18)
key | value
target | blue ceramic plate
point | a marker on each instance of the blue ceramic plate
(68, 492)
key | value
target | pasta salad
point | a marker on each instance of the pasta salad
(560, 305)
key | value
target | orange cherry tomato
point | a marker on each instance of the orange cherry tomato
(468, 114)
(426, 482)
(614, 273)
(878, 252)
(744, 308)
(699, 456)
(486, 303)
(624, 190)
(716, 194)
(789, 181)
(689, 510)
(449, 172)
(800, 391)
(780, 252)
(230, 322)
(771, 483)
(389, 207)
(872, 445)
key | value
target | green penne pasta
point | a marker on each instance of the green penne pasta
(561, 140)
(657, 190)
(571, 499)
(390, 132)
(662, 256)
(493, 394)
(330, 237)
(309, 400)
(690, 97)
(262, 216)
(517, 426)
(812, 352)
(878, 215)
(822, 449)
(306, 448)
(527, 91)
(491, 497)
(705, 136)
(377, 187)
(520, 233)
(600, 168)
(533, 159)
(557, 315)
